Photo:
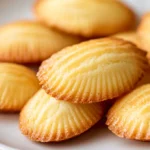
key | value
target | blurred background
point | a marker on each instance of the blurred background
(11, 10)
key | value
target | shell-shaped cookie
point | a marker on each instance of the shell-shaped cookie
(93, 71)
(130, 36)
(30, 42)
(17, 85)
(46, 119)
(129, 117)
(144, 33)
(88, 18)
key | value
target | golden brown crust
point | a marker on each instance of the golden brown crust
(145, 79)
(148, 57)
(129, 116)
(33, 42)
(89, 27)
(46, 119)
(84, 99)
(18, 84)
(93, 71)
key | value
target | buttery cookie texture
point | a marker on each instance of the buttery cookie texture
(88, 18)
(46, 119)
(130, 36)
(144, 33)
(129, 116)
(93, 71)
(29, 42)
(17, 85)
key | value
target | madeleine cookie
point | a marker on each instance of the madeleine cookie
(129, 116)
(130, 36)
(46, 119)
(88, 18)
(30, 42)
(144, 33)
(17, 85)
(93, 71)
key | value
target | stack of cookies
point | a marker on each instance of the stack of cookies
(78, 75)
(74, 82)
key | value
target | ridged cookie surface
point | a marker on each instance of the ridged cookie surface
(46, 119)
(93, 71)
(129, 117)
(88, 18)
(30, 42)
(17, 85)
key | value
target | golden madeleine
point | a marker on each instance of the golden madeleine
(144, 33)
(46, 119)
(30, 42)
(88, 18)
(130, 36)
(129, 117)
(93, 71)
(17, 85)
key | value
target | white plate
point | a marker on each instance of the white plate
(98, 138)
